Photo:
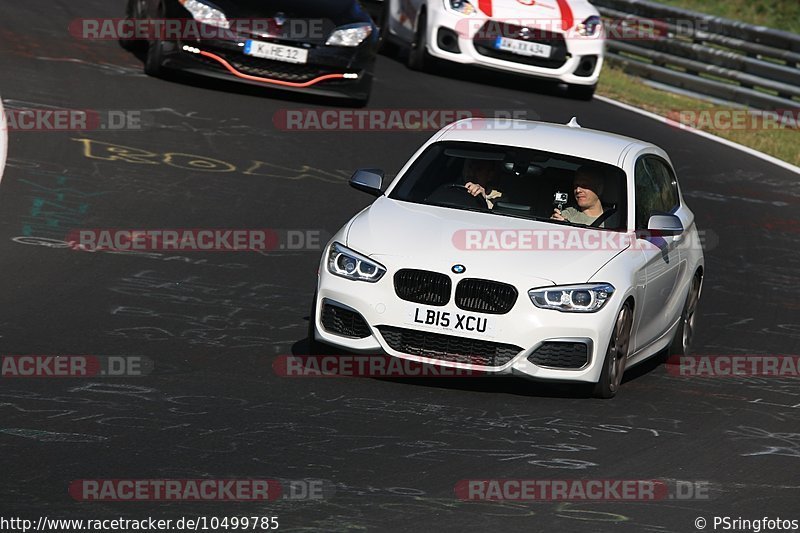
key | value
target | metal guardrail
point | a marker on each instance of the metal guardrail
(734, 61)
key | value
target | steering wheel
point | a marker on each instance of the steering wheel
(479, 200)
(602, 218)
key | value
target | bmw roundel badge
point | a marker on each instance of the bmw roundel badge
(458, 269)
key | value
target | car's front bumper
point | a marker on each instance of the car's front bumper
(577, 60)
(525, 327)
(330, 71)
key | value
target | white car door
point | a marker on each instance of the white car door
(656, 192)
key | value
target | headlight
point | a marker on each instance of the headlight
(352, 35)
(344, 262)
(590, 27)
(586, 298)
(461, 6)
(206, 13)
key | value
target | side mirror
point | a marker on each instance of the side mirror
(368, 180)
(665, 225)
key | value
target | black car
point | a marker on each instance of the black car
(324, 47)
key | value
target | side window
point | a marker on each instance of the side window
(656, 189)
(665, 181)
(645, 194)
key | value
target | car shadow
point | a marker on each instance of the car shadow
(483, 76)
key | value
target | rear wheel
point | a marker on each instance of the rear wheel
(682, 342)
(418, 58)
(616, 355)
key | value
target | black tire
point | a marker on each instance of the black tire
(682, 341)
(132, 12)
(155, 57)
(153, 63)
(581, 92)
(385, 45)
(418, 58)
(616, 355)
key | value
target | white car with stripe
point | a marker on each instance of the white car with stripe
(559, 40)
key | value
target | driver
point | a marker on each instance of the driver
(587, 188)
(482, 179)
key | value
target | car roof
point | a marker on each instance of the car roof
(556, 138)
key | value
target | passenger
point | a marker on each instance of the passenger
(587, 188)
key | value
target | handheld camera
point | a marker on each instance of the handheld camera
(559, 199)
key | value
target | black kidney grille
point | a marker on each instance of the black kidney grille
(448, 347)
(422, 286)
(561, 355)
(344, 322)
(485, 296)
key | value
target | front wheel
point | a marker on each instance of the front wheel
(418, 58)
(133, 11)
(616, 355)
(155, 58)
(385, 46)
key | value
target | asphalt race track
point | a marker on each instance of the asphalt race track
(390, 451)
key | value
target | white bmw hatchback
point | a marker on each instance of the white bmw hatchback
(515, 247)
(560, 40)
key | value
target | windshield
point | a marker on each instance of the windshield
(517, 182)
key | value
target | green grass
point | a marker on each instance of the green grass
(778, 14)
(778, 142)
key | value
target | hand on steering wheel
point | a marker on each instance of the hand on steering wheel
(480, 198)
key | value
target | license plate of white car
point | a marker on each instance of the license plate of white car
(276, 52)
(450, 321)
(523, 48)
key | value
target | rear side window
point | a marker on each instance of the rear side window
(656, 189)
